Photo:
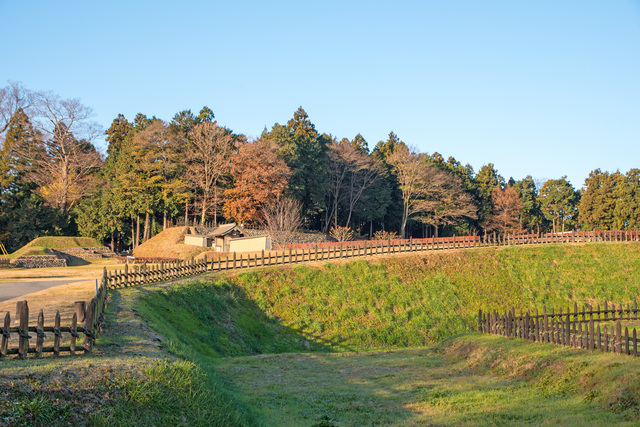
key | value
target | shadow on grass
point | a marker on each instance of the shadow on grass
(215, 320)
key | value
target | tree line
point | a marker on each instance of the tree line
(53, 180)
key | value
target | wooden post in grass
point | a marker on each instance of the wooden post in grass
(56, 334)
(618, 337)
(89, 332)
(627, 349)
(599, 339)
(22, 313)
(635, 343)
(40, 334)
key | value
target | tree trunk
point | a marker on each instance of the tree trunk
(215, 206)
(203, 216)
(145, 233)
(137, 230)
(113, 237)
(133, 232)
(186, 213)
(435, 228)
(370, 229)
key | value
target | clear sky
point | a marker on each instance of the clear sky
(543, 88)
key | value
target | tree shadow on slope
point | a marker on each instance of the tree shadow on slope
(219, 320)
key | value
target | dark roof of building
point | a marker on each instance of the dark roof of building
(225, 229)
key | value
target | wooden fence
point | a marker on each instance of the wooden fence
(156, 272)
(80, 337)
(578, 329)
(5, 263)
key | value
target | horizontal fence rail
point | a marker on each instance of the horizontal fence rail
(577, 328)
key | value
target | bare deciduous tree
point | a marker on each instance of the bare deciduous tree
(208, 163)
(352, 171)
(427, 190)
(412, 172)
(446, 201)
(64, 168)
(282, 219)
(13, 97)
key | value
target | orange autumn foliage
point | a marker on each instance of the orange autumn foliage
(260, 178)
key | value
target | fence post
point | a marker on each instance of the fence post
(40, 334)
(22, 313)
(545, 325)
(618, 337)
(89, 330)
(6, 335)
(57, 335)
(627, 350)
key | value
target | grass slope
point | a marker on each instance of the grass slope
(393, 302)
(40, 245)
(268, 333)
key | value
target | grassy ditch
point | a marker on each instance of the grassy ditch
(466, 380)
(271, 335)
(393, 302)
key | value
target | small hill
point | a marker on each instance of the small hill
(168, 244)
(41, 245)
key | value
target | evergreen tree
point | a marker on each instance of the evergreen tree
(559, 202)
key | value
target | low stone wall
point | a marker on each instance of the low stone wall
(85, 253)
(39, 261)
(298, 237)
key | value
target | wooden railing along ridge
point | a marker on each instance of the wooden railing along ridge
(577, 328)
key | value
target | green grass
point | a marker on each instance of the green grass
(467, 380)
(40, 245)
(419, 300)
(269, 334)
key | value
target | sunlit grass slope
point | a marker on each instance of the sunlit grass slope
(40, 245)
(391, 302)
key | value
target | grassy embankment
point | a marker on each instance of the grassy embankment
(257, 347)
(41, 245)
(399, 303)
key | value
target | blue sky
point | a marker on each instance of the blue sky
(541, 88)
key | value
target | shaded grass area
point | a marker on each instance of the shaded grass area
(467, 380)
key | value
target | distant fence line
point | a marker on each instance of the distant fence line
(577, 329)
(141, 274)
(5, 263)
